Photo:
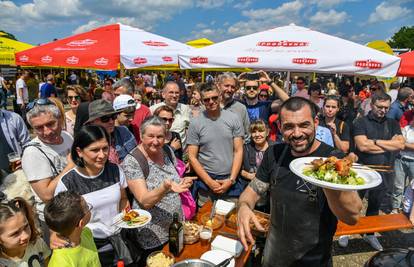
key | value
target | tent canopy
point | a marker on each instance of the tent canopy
(292, 48)
(7, 49)
(199, 43)
(105, 48)
(407, 65)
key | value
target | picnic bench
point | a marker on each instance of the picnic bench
(372, 224)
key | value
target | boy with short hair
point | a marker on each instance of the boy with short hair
(67, 214)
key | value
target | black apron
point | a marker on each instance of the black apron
(287, 245)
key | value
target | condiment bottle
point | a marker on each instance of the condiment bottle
(176, 232)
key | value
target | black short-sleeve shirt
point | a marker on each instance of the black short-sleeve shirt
(376, 129)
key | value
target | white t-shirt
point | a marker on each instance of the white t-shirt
(393, 93)
(34, 256)
(408, 133)
(102, 191)
(37, 167)
(1, 82)
(20, 83)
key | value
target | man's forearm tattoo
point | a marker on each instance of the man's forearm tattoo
(258, 186)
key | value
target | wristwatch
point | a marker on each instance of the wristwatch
(233, 181)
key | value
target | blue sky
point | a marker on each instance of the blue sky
(39, 21)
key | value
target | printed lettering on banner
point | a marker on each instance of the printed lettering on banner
(46, 59)
(167, 59)
(101, 61)
(85, 42)
(72, 60)
(368, 64)
(154, 43)
(140, 60)
(283, 43)
(306, 61)
(247, 59)
(199, 60)
(24, 58)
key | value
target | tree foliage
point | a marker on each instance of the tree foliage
(404, 38)
(7, 35)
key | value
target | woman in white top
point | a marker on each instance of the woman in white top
(100, 182)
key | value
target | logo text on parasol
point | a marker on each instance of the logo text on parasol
(85, 42)
(24, 58)
(46, 59)
(167, 59)
(140, 60)
(72, 60)
(306, 61)
(247, 59)
(283, 43)
(154, 43)
(199, 60)
(368, 64)
(101, 61)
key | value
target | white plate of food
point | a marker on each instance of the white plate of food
(133, 218)
(337, 174)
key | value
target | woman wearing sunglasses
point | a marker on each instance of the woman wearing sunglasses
(166, 114)
(75, 95)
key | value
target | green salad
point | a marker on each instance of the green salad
(333, 177)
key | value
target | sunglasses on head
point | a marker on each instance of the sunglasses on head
(251, 88)
(208, 99)
(106, 119)
(77, 97)
(40, 102)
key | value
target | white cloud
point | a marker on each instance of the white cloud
(267, 18)
(328, 18)
(58, 13)
(361, 38)
(242, 4)
(209, 4)
(388, 11)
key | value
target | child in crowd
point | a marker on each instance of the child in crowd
(20, 243)
(67, 214)
(408, 201)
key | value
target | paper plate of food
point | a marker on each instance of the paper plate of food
(132, 218)
(338, 174)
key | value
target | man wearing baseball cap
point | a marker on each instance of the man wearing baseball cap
(123, 141)
(125, 104)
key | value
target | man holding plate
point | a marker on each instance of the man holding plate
(304, 216)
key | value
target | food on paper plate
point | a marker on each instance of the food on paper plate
(334, 170)
(132, 217)
(160, 259)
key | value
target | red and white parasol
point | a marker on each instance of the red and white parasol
(104, 48)
(292, 48)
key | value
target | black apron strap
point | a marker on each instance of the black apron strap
(278, 163)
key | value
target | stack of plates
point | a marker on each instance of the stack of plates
(224, 207)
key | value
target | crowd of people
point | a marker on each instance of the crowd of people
(91, 149)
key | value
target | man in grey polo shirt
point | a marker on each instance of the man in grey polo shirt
(215, 149)
(171, 95)
(227, 84)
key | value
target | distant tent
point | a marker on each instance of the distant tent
(8, 47)
(199, 43)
